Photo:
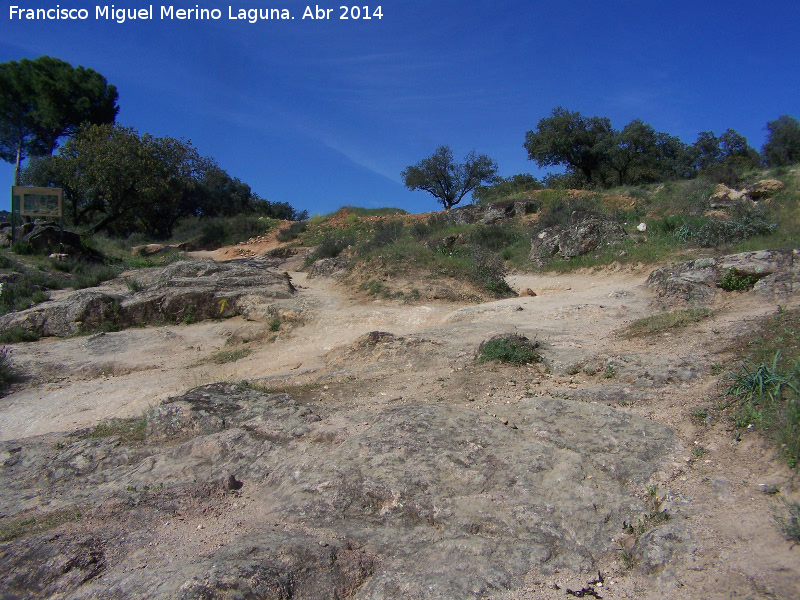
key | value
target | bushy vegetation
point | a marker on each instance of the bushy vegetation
(789, 521)
(26, 289)
(511, 348)
(6, 370)
(743, 225)
(292, 232)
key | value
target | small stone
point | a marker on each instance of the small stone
(201, 526)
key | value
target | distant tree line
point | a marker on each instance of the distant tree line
(594, 154)
(114, 179)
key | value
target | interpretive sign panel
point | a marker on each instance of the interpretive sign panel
(36, 201)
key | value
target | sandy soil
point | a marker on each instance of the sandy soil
(80, 381)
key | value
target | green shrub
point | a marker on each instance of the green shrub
(28, 289)
(386, 233)
(734, 280)
(789, 524)
(330, 247)
(375, 288)
(744, 224)
(436, 223)
(725, 173)
(212, 236)
(487, 271)
(509, 348)
(6, 370)
(189, 316)
(22, 247)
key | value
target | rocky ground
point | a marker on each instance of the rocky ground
(328, 445)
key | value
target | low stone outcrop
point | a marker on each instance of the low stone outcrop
(413, 500)
(764, 271)
(183, 291)
(490, 213)
(586, 231)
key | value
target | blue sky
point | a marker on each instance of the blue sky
(327, 113)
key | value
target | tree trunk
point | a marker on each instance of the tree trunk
(19, 160)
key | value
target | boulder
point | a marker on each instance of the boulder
(586, 230)
(764, 189)
(725, 197)
(329, 267)
(545, 245)
(46, 238)
(49, 239)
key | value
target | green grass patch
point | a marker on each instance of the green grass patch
(764, 392)
(374, 212)
(788, 521)
(30, 522)
(665, 321)
(227, 356)
(509, 348)
(129, 430)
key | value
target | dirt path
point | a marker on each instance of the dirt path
(715, 483)
(135, 369)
